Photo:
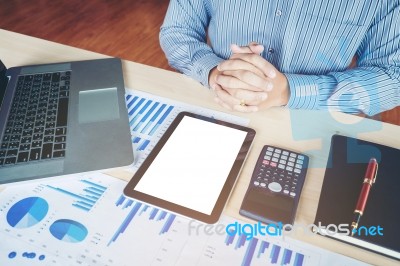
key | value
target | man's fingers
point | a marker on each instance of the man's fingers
(240, 49)
(227, 80)
(234, 97)
(236, 64)
(220, 99)
(243, 79)
(253, 47)
(263, 65)
(256, 48)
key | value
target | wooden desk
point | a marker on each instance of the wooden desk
(304, 131)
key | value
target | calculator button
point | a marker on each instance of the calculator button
(298, 166)
(281, 166)
(292, 155)
(292, 194)
(290, 164)
(301, 157)
(276, 155)
(270, 149)
(256, 183)
(263, 184)
(275, 187)
(267, 157)
(268, 153)
(289, 168)
(282, 161)
(286, 191)
(278, 151)
(285, 153)
(297, 171)
(275, 160)
(292, 159)
(266, 162)
(283, 157)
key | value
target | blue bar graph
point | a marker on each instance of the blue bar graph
(162, 215)
(140, 113)
(84, 197)
(102, 188)
(97, 195)
(120, 200)
(131, 112)
(168, 224)
(262, 246)
(241, 241)
(275, 254)
(229, 238)
(298, 260)
(153, 118)
(126, 222)
(137, 209)
(128, 204)
(161, 120)
(153, 213)
(129, 101)
(143, 146)
(287, 254)
(145, 117)
(144, 209)
(250, 252)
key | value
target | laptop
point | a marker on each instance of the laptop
(62, 118)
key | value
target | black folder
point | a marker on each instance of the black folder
(346, 167)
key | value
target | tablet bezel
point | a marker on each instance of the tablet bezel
(230, 181)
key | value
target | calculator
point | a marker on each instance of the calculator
(275, 186)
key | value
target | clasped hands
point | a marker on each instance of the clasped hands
(247, 82)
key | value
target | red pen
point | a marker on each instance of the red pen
(369, 179)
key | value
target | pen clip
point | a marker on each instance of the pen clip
(376, 173)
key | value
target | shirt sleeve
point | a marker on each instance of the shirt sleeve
(372, 86)
(183, 38)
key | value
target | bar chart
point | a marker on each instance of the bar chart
(43, 226)
(150, 116)
(84, 193)
(272, 253)
(146, 116)
(220, 248)
(140, 209)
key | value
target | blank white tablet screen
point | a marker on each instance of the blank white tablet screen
(192, 167)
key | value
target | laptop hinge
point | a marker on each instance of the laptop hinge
(3, 81)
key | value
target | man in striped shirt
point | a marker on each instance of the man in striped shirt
(256, 54)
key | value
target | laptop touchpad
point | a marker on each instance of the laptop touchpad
(98, 105)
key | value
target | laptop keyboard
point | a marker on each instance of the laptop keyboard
(37, 124)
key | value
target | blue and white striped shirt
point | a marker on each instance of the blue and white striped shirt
(311, 41)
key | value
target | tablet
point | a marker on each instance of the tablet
(193, 167)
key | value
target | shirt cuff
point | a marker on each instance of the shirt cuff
(202, 67)
(304, 91)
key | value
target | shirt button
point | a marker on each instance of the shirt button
(271, 50)
(278, 12)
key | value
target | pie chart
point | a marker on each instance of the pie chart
(68, 231)
(27, 212)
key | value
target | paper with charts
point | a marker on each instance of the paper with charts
(84, 219)
(150, 116)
